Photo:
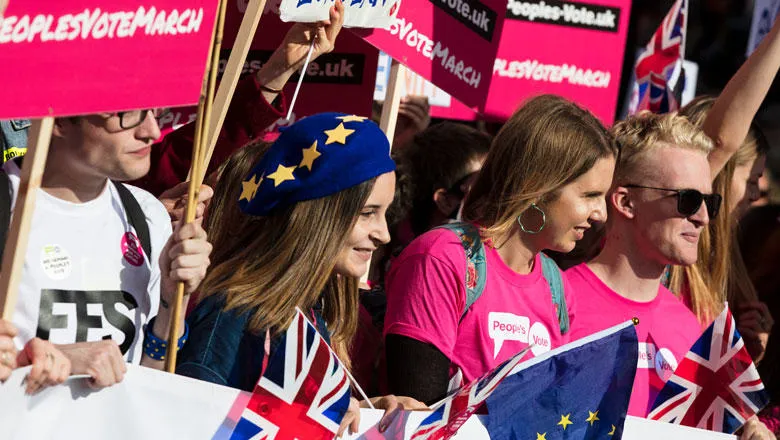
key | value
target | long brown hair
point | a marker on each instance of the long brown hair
(720, 273)
(546, 144)
(269, 265)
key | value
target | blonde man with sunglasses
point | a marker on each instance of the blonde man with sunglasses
(660, 202)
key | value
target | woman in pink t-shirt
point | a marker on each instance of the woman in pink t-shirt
(542, 185)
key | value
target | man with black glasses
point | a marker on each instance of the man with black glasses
(102, 262)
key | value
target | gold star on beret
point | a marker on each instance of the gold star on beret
(338, 134)
(309, 156)
(249, 188)
(282, 174)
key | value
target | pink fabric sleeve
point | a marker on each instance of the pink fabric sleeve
(425, 298)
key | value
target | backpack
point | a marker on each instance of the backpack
(135, 215)
(476, 272)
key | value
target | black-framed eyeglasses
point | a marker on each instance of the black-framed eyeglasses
(133, 118)
(689, 200)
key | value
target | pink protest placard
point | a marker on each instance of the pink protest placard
(451, 43)
(69, 57)
(340, 81)
(569, 48)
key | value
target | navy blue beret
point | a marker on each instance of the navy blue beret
(315, 157)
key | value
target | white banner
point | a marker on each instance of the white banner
(150, 404)
(764, 14)
(357, 13)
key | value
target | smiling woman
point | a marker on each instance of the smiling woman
(464, 298)
(310, 211)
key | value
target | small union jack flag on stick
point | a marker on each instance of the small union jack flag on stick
(452, 412)
(303, 393)
(716, 386)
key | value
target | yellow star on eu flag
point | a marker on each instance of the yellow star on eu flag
(309, 155)
(592, 417)
(613, 431)
(249, 188)
(352, 118)
(565, 421)
(541, 436)
(282, 174)
(338, 134)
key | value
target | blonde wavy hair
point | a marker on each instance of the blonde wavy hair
(642, 133)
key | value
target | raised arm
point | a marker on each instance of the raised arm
(729, 119)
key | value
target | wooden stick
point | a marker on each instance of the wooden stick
(392, 100)
(233, 69)
(388, 119)
(197, 170)
(19, 231)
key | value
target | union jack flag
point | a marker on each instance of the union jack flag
(452, 412)
(716, 386)
(303, 393)
(656, 67)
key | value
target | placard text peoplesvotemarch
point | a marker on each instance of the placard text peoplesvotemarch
(350, 70)
(577, 52)
(451, 43)
(120, 53)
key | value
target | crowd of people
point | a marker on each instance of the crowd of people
(477, 245)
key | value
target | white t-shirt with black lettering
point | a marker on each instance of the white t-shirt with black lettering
(86, 277)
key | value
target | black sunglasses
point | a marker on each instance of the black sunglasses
(456, 188)
(689, 200)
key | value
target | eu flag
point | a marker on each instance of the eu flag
(578, 391)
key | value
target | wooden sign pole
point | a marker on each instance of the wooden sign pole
(19, 231)
(233, 69)
(197, 169)
(389, 118)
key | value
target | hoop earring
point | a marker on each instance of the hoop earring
(522, 226)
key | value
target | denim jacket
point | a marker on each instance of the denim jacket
(221, 350)
(14, 138)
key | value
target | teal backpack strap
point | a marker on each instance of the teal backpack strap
(475, 261)
(552, 273)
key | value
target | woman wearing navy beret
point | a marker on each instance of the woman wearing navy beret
(312, 211)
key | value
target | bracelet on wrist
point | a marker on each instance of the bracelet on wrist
(157, 348)
(265, 88)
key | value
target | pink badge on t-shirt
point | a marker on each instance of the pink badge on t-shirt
(666, 330)
(132, 250)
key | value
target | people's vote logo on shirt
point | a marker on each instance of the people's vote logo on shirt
(132, 250)
(661, 360)
(504, 326)
(68, 316)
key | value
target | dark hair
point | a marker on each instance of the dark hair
(438, 158)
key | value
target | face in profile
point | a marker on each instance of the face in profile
(370, 230)
(661, 231)
(109, 145)
(745, 190)
(576, 208)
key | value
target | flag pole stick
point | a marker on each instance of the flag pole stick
(233, 69)
(197, 169)
(389, 117)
